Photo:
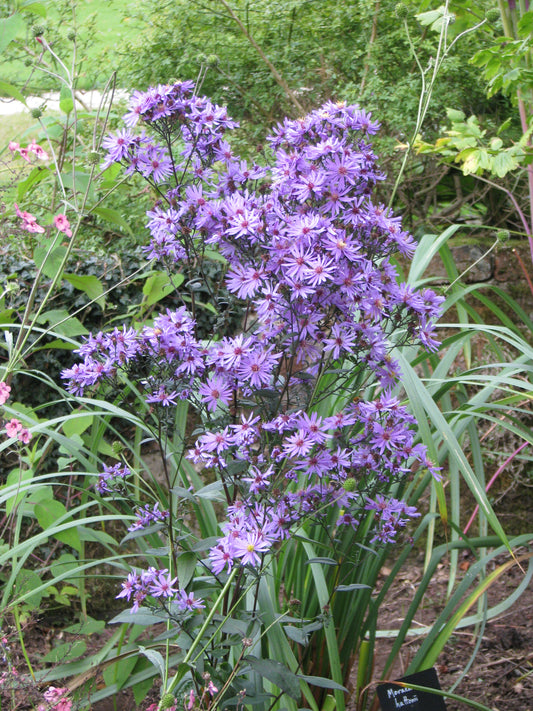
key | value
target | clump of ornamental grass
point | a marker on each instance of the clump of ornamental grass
(297, 412)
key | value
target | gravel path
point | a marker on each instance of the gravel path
(86, 99)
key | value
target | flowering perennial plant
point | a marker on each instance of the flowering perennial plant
(297, 410)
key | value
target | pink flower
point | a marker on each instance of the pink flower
(29, 222)
(5, 390)
(211, 688)
(62, 224)
(56, 699)
(34, 147)
(13, 427)
(13, 146)
(192, 698)
(24, 435)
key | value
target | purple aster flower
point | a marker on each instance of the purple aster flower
(215, 391)
(161, 397)
(250, 547)
(162, 585)
(118, 146)
(187, 601)
(222, 556)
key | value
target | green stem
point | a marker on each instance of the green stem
(16, 615)
(179, 675)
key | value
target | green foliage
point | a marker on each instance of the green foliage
(94, 28)
(315, 608)
(507, 64)
(345, 51)
(467, 144)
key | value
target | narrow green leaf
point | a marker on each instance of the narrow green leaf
(322, 561)
(10, 90)
(278, 674)
(186, 565)
(156, 658)
(322, 682)
(158, 286)
(413, 384)
(89, 284)
(114, 216)
(66, 652)
(143, 617)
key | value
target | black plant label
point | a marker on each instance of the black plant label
(392, 696)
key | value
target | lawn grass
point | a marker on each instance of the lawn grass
(21, 127)
(102, 28)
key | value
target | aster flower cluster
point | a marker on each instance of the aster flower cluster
(158, 584)
(308, 254)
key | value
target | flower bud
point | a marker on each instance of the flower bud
(349, 485)
(38, 30)
(167, 701)
(295, 606)
(492, 15)
(94, 157)
(401, 10)
(71, 35)
(36, 113)
(117, 448)
(503, 235)
(212, 60)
